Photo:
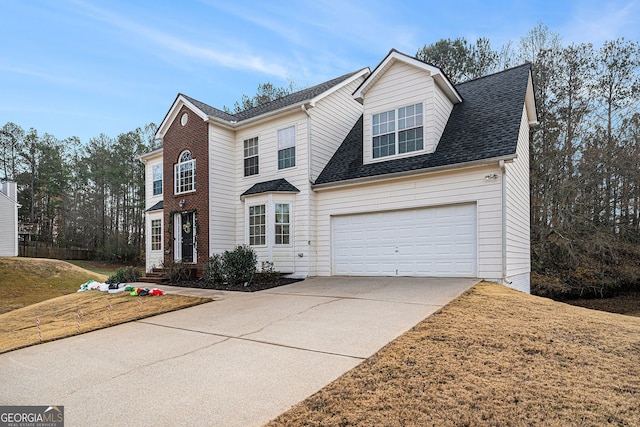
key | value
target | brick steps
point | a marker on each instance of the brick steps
(155, 276)
(158, 276)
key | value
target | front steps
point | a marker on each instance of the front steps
(159, 276)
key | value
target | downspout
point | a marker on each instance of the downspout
(311, 182)
(504, 222)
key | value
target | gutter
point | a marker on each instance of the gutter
(143, 157)
(310, 178)
(416, 172)
(258, 118)
(504, 222)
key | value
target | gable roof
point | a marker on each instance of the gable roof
(441, 80)
(206, 111)
(275, 186)
(485, 125)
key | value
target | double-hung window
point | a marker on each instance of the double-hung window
(397, 131)
(282, 224)
(287, 148)
(156, 235)
(257, 225)
(185, 173)
(157, 179)
(251, 166)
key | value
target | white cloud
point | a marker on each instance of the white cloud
(184, 48)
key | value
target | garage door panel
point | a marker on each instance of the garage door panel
(438, 241)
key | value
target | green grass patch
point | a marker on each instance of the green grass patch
(26, 281)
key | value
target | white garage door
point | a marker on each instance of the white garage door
(437, 242)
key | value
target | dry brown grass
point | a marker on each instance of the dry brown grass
(26, 281)
(493, 357)
(59, 316)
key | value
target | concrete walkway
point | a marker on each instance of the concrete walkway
(238, 361)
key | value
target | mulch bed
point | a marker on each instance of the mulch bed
(252, 287)
(626, 303)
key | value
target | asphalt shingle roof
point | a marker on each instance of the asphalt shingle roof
(276, 185)
(484, 125)
(156, 207)
(285, 101)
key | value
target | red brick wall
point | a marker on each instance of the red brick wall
(193, 137)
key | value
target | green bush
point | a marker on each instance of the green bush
(239, 265)
(213, 272)
(176, 271)
(124, 275)
(267, 274)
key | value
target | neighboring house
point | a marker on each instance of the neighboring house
(394, 172)
(9, 219)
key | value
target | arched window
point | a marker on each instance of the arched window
(185, 173)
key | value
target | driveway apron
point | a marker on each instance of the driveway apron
(238, 361)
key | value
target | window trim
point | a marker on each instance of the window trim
(156, 228)
(256, 156)
(393, 130)
(287, 224)
(290, 144)
(251, 227)
(177, 179)
(155, 168)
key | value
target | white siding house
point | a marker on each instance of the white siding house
(9, 219)
(391, 172)
(154, 222)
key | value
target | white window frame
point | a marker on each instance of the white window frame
(156, 235)
(282, 224)
(286, 145)
(250, 153)
(388, 127)
(261, 226)
(182, 183)
(156, 173)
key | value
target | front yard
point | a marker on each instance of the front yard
(495, 357)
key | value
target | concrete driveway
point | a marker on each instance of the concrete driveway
(238, 361)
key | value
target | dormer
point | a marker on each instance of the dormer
(406, 103)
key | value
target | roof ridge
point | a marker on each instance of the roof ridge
(274, 105)
(526, 64)
(309, 89)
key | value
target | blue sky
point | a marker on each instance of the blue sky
(81, 68)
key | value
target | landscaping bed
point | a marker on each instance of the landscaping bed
(239, 287)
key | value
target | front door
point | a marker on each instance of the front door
(187, 236)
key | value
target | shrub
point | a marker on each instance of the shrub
(176, 271)
(239, 265)
(124, 275)
(213, 271)
(267, 274)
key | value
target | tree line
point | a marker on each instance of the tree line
(584, 155)
(76, 195)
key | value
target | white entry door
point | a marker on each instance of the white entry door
(436, 242)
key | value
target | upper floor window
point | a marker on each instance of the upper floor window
(251, 157)
(185, 173)
(397, 133)
(287, 148)
(157, 179)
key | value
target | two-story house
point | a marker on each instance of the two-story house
(393, 171)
